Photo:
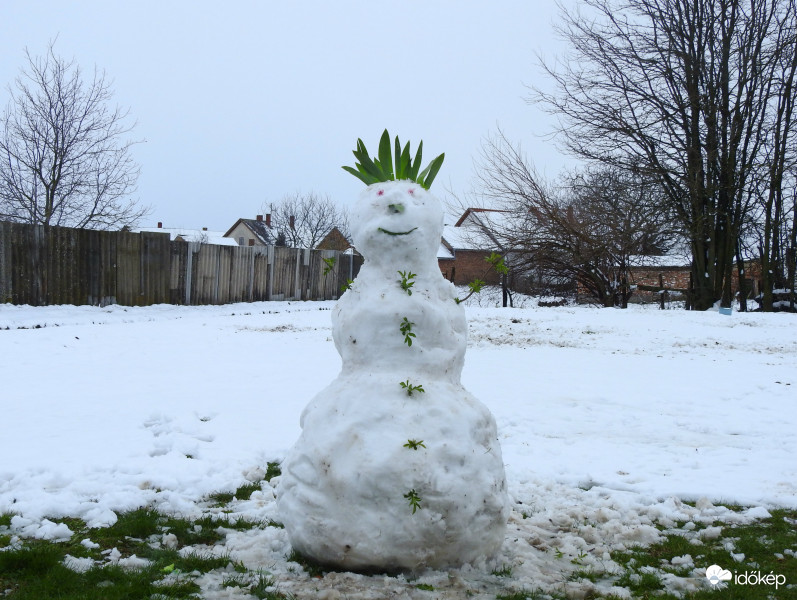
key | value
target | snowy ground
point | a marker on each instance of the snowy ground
(608, 420)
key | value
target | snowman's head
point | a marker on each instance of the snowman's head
(398, 224)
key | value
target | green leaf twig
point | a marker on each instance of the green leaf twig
(414, 500)
(414, 444)
(330, 264)
(411, 388)
(406, 330)
(406, 281)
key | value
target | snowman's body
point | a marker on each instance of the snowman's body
(345, 491)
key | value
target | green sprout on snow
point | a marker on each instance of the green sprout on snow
(414, 444)
(411, 388)
(406, 329)
(406, 281)
(414, 499)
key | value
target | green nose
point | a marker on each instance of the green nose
(395, 208)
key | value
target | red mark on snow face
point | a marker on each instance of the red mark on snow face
(411, 191)
(380, 193)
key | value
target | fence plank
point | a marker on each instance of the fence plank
(6, 290)
(155, 267)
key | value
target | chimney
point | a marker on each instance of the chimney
(293, 222)
(268, 220)
(160, 225)
(259, 218)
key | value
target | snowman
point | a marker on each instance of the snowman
(398, 467)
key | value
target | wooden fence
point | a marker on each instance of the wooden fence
(58, 265)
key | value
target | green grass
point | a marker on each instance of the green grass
(244, 491)
(34, 569)
(504, 571)
(762, 543)
(522, 595)
(312, 568)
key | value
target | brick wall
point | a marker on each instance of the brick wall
(671, 277)
(468, 265)
(678, 278)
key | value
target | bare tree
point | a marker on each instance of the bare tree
(776, 192)
(303, 220)
(64, 156)
(585, 230)
(678, 91)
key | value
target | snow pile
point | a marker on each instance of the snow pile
(398, 466)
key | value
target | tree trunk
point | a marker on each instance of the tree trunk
(743, 291)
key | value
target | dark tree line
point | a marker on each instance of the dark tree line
(693, 98)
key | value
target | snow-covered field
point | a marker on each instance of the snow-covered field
(608, 420)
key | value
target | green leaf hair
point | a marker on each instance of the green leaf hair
(384, 168)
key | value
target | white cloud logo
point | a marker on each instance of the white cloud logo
(716, 574)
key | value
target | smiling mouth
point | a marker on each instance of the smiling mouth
(397, 232)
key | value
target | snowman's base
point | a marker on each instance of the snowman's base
(345, 490)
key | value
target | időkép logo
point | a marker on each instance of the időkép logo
(717, 575)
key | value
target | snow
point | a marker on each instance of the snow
(192, 235)
(608, 421)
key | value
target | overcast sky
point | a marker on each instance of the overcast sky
(241, 103)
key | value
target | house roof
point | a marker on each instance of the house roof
(258, 228)
(444, 251)
(660, 262)
(462, 238)
(483, 216)
(334, 240)
(190, 235)
(474, 230)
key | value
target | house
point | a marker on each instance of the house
(334, 240)
(180, 234)
(467, 243)
(252, 232)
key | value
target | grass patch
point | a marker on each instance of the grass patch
(272, 470)
(262, 590)
(504, 571)
(245, 490)
(762, 543)
(312, 568)
(36, 569)
(523, 595)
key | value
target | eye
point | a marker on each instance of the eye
(395, 208)
(411, 191)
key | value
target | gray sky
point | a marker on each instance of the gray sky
(243, 102)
